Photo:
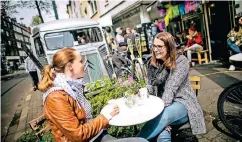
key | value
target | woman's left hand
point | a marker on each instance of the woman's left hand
(168, 128)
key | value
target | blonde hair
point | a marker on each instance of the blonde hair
(60, 59)
(169, 42)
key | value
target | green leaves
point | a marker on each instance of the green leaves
(111, 89)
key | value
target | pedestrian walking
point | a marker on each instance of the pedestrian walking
(32, 70)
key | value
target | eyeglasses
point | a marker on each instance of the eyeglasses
(159, 47)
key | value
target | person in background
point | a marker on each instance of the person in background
(31, 68)
(194, 43)
(168, 78)
(66, 108)
(110, 38)
(131, 36)
(158, 24)
(119, 36)
(180, 39)
(119, 56)
(235, 41)
(137, 35)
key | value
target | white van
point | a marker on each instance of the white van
(85, 35)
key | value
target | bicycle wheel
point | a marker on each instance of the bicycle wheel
(230, 108)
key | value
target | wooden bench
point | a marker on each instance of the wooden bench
(199, 56)
(40, 126)
(195, 82)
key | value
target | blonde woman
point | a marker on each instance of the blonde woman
(66, 108)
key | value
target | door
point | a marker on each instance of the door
(219, 19)
(197, 21)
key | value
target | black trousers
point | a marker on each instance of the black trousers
(35, 78)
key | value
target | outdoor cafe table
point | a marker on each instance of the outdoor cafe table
(138, 114)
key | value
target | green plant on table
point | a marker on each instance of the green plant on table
(110, 89)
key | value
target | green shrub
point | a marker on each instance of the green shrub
(111, 89)
(28, 137)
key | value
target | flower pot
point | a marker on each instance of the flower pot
(129, 99)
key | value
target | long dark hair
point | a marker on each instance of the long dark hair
(170, 45)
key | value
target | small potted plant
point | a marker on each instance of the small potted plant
(131, 89)
(143, 91)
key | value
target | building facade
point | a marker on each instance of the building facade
(12, 35)
(209, 18)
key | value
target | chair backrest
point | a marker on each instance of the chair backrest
(195, 82)
(40, 126)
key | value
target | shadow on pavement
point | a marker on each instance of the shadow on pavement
(223, 80)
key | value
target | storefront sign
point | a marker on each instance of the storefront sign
(127, 15)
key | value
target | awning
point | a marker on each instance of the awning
(151, 5)
(105, 20)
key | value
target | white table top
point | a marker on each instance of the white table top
(149, 109)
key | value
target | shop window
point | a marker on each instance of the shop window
(18, 44)
(7, 33)
(4, 23)
(93, 4)
(39, 48)
(76, 37)
(106, 3)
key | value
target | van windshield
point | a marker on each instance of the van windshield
(72, 38)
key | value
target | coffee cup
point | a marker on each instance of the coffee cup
(143, 92)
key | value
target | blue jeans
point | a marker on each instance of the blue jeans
(175, 114)
(233, 46)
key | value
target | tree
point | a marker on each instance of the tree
(40, 5)
(36, 20)
(9, 7)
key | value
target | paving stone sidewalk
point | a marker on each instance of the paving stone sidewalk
(208, 97)
(30, 107)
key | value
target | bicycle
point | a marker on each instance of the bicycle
(229, 108)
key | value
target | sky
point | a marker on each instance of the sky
(27, 14)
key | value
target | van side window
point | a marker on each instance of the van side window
(39, 48)
(58, 40)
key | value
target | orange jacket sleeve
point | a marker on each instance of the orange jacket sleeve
(59, 109)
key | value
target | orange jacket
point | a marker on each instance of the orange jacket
(68, 121)
(195, 39)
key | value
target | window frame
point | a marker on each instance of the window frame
(39, 51)
(100, 30)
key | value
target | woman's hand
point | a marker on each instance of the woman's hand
(189, 37)
(168, 128)
(115, 111)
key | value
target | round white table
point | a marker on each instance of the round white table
(139, 113)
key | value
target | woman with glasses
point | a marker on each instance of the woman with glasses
(168, 74)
